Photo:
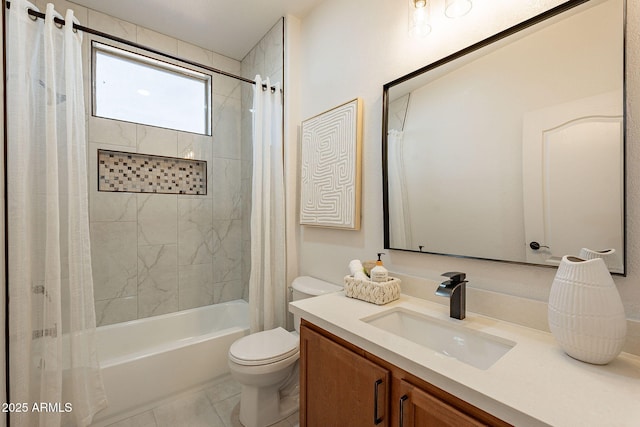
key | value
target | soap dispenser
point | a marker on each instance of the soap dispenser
(379, 273)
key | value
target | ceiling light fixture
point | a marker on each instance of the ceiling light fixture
(420, 14)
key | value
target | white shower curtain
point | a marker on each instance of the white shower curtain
(267, 296)
(399, 216)
(51, 309)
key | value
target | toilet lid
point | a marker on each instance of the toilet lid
(264, 347)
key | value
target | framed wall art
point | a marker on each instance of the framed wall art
(331, 167)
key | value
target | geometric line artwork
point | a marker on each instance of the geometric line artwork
(330, 171)
(144, 173)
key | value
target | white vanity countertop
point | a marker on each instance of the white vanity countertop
(535, 383)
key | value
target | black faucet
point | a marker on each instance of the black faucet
(456, 290)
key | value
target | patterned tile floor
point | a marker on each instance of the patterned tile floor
(217, 406)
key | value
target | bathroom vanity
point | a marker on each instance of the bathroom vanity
(360, 387)
(357, 369)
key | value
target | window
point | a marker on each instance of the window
(135, 88)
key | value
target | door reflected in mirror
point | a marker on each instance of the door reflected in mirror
(513, 149)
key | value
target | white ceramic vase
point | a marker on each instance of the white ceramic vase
(608, 256)
(586, 315)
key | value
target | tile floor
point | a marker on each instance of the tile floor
(217, 406)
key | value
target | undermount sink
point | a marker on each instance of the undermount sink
(472, 347)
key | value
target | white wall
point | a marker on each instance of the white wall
(350, 49)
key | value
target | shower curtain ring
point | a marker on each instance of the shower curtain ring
(32, 14)
(58, 22)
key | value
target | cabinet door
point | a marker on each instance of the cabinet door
(339, 387)
(418, 408)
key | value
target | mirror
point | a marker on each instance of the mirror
(513, 149)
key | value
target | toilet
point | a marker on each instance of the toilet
(266, 364)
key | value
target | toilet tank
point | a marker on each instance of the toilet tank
(307, 287)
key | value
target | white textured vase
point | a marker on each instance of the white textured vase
(608, 256)
(586, 314)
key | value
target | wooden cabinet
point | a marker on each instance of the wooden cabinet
(343, 385)
(339, 387)
(416, 407)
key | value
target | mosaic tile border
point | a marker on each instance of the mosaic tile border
(120, 171)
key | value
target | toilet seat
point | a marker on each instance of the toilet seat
(264, 347)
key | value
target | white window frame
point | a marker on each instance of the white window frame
(153, 63)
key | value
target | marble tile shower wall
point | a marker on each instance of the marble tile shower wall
(159, 253)
(266, 59)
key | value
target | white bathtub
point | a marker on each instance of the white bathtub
(148, 360)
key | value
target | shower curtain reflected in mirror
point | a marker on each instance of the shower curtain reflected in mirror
(51, 311)
(399, 220)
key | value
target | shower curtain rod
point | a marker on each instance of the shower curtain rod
(88, 30)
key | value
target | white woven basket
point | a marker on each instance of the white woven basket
(377, 293)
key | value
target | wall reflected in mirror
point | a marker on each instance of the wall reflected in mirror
(513, 149)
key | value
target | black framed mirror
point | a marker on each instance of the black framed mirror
(512, 149)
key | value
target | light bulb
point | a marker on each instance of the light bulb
(419, 19)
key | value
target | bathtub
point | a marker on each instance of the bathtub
(148, 360)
